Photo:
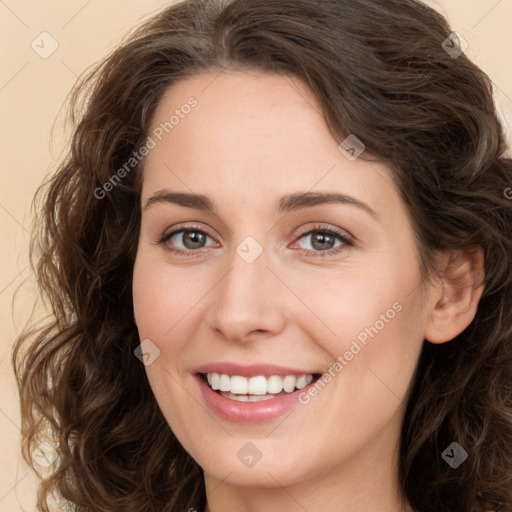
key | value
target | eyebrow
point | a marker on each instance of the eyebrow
(286, 204)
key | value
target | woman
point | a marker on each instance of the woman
(279, 260)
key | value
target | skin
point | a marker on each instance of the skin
(252, 139)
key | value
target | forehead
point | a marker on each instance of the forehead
(248, 133)
(242, 113)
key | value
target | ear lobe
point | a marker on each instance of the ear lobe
(454, 304)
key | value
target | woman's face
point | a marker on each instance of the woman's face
(300, 261)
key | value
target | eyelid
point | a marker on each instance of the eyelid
(187, 227)
(328, 228)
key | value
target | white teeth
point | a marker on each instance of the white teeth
(239, 385)
(301, 382)
(274, 384)
(247, 398)
(257, 386)
(289, 383)
(224, 383)
(214, 381)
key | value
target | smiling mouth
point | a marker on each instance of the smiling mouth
(257, 388)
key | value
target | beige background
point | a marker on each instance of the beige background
(32, 92)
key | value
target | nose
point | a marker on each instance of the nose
(249, 302)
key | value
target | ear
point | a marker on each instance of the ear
(453, 304)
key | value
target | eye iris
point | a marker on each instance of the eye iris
(320, 239)
(193, 239)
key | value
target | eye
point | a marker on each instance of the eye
(322, 241)
(188, 241)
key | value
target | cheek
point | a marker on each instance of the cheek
(165, 301)
(358, 303)
(376, 327)
(163, 295)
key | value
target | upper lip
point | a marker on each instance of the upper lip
(250, 370)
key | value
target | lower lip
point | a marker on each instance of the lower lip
(249, 412)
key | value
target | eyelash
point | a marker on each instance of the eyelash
(346, 240)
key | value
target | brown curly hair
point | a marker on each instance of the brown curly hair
(378, 70)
